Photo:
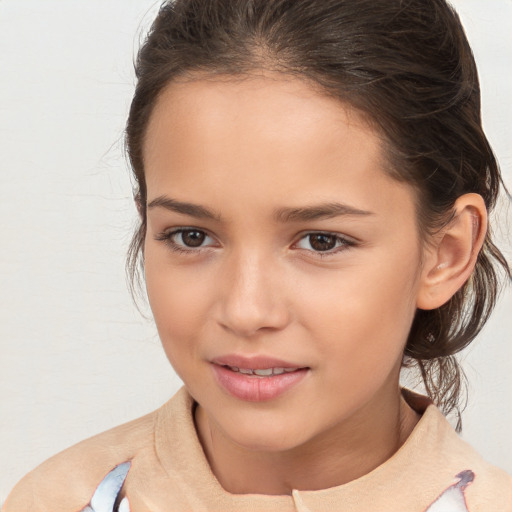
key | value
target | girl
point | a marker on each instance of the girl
(313, 185)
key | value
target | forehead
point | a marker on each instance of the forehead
(270, 137)
(281, 109)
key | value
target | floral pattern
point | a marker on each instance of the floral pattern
(453, 498)
(105, 497)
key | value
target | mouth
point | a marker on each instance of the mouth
(262, 372)
(257, 378)
(261, 365)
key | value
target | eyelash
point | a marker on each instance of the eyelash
(167, 238)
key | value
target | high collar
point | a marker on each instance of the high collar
(181, 455)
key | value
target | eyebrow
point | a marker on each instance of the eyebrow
(194, 210)
(282, 215)
(316, 212)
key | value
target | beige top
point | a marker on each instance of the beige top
(434, 471)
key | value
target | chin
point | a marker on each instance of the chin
(261, 437)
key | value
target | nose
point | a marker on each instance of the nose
(252, 298)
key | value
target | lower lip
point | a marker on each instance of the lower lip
(256, 389)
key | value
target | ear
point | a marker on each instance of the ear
(451, 256)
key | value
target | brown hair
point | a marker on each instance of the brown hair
(407, 66)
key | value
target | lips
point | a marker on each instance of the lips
(256, 378)
(263, 372)
(254, 362)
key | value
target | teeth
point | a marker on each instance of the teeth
(264, 372)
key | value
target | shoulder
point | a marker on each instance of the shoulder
(489, 488)
(483, 486)
(448, 469)
(67, 480)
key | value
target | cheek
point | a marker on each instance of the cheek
(361, 315)
(179, 302)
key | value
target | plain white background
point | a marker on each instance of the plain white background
(76, 357)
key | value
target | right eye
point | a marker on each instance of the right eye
(186, 239)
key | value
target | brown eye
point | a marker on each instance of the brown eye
(187, 240)
(192, 237)
(322, 242)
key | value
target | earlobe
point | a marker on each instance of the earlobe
(452, 255)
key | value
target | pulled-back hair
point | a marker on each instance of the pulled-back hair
(408, 67)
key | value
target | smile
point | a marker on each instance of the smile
(257, 379)
(264, 372)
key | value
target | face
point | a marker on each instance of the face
(276, 243)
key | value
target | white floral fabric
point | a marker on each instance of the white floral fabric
(105, 497)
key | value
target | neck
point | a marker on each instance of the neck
(339, 455)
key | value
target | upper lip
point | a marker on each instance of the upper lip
(256, 362)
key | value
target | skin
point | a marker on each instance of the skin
(256, 286)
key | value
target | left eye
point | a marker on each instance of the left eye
(322, 242)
